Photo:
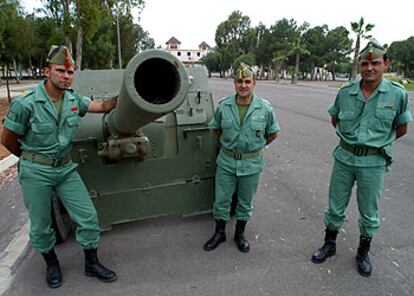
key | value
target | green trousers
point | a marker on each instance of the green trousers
(226, 184)
(38, 181)
(369, 182)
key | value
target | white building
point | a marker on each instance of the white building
(187, 56)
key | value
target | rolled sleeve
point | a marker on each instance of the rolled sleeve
(272, 125)
(83, 105)
(332, 110)
(17, 118)
(215, 121)
(16, 127)
(403, 118)
(404, 115)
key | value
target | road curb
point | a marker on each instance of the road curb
(7, 162)
(11, 256)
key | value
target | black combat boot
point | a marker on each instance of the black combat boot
(53, 273)
(218, 237)
(95, 269)
(239, 238)
(364, 265)
(329, 247)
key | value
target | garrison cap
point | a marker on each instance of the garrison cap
(244, 71)
(373, 50)
(60, 55)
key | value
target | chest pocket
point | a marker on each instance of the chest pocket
(42, 134)
(258, 128)
(346, 121)
(71, 127)
(384, 119)
(73, 121)
(228, 131)
(225, 124)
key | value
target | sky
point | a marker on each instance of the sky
(194, 21)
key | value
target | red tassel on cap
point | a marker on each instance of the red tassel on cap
(370, 55)
(67, 63)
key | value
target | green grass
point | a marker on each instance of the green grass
(337, 84)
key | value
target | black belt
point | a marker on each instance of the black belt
(360, 150)
(241, 155)
(38, 158)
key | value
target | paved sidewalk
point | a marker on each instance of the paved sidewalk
(7, 162)
(14, 253)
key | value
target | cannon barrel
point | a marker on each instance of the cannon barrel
(135, 166)
(154, 83)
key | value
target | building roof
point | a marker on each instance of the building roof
(204, 44)
(173, 40)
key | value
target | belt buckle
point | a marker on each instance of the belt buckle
(359, 151)
(57, 162)
(237, 156)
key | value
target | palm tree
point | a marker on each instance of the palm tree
(298, 49)
(279, 57)
(361, 32)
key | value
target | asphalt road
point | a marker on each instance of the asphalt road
(165, 257)
(13, 216)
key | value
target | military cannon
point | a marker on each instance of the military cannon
(152, 155)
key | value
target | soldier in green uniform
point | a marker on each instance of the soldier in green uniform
(39, 128)
(369, 115)
(244, 124)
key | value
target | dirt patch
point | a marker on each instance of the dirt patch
(8, 175)
(15, 90)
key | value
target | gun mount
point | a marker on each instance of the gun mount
(152, 155)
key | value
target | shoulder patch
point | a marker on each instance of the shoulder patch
(11, 115)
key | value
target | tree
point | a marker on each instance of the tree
(8, 15)
(233, 29)
(60, 12)
(361, 30)
(87, 18)
(339, 46)
(264, 50)
(144, 39)
(283, 34)
(100, 52)
(44, 33)
(82, 18)
(134, 38)
(123, 8)
(315, 39)
(8, 9)
(212, 61)
(401, 54)
(279, 57)
(234, 37)
(14, 38)
(298, 49)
